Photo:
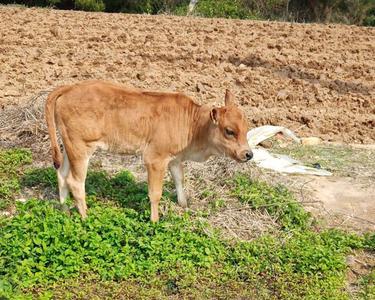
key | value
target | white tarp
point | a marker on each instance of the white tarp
(277, 162)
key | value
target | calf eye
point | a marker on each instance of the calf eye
(229, 132)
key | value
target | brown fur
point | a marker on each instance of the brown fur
(165, 128)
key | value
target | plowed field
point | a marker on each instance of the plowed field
(315, 79)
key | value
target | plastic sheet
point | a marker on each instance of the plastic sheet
(277, 162)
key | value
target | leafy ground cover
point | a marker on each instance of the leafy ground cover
(116, 252)
(10, 169)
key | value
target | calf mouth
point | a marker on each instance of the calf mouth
(237, 158)
(240, 159)
(245, 158)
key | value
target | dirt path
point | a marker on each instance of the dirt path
(349, 199)
(315, 79)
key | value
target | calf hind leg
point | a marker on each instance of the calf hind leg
(76, 182)
(62, 174)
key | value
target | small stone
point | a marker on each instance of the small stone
(12, 93)
(227, 69)
(311, 141)
(339, 70)
(317, 166)
(55, 32)
(141, 76)
(282, 95)
(199, 87)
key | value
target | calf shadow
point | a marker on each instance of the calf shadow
(121, 188)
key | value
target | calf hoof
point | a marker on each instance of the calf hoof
(65, 208)
(183, 202)
(62, 207)
(75, 209)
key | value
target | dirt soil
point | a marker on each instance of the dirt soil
(344, 202)
(315, 79)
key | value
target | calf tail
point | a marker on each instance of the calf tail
(51, 125)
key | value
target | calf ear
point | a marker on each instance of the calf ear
(229, 98)
(214, 114)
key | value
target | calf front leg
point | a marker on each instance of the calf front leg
(155, 172)
(177, 171)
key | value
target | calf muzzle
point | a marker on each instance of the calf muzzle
(246, 155)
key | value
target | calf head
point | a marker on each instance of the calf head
(229, 129)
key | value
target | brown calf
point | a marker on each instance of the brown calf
(166, 128)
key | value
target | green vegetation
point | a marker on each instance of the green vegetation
(89, 5)
(11, 163)
(340, 159)
(223, 9)
(277, 201)
(42, 245)
(116, 251)
(360, 12)
(367, 287)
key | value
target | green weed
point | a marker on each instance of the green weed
(369, 241)
(42, 178)
(41, 245)
(89, 5)
(367, 287)
(222, 9)
(11, 163)
(117, 251)
(277, 201)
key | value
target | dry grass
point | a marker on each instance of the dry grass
(23, 125)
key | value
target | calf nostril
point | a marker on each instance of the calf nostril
(249, 155)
